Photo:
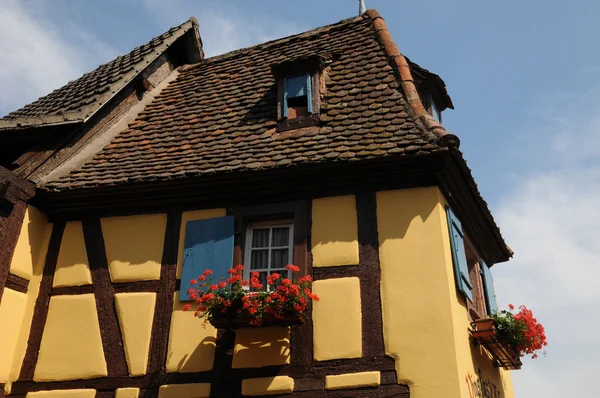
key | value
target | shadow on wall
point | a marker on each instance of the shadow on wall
(408, 212)
(38, 231)
(262, 347)
(203, 352)
(134, 246)
(334, 232)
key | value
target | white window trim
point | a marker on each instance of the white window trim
(270, 225)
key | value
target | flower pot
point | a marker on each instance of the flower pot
(484, 329)
(236, 321)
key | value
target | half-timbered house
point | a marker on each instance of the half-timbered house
(326, 146)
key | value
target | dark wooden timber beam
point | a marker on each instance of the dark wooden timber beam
(14, 194)
(297, 372)
(110, 332)
(40, 311)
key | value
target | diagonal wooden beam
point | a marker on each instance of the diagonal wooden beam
(164, 298)
(40, 312)
(11, 221)
(112, 341)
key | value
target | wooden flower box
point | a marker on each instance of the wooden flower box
(485, 333)
(235, 322)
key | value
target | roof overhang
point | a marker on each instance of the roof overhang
(443, 170)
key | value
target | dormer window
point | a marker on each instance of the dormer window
(430, 106)
(297, 96)
(435, 112)
(298, 91)
(432, 91)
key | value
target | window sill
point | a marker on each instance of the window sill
(298, 123)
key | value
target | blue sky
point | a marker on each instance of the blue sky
(524, 78)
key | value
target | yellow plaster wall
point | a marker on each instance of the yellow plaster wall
(30, 249)
(416, 291)
(72, 267)
(258, 347)
(83, 393)
(134, 246)
(507, 383)
(352, 380)
(337, 319)
(268, 386)
(12, 310)
(425, 320)
(191, 342)
(474, 363)
(71, 345)
(334, 231)
(136, 313)
(27, 262)
(127, 393)
(198, 390)
(193, 216)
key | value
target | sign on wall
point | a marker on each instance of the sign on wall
(480, 388)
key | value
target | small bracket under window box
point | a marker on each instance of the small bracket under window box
(484, 332)
(229, 321)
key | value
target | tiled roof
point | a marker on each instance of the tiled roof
(220, 115)
(81, 98)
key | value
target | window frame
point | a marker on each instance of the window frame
(478, 307)
(297, 211)
(309, 95)
(247, 249)
(435, 112)
(314, 108)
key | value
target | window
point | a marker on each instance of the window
(480, 304)
(437, 115)
(473, 276)
(298, 83)
(429, 104)
(286, 224)
(269, 247)
(297, 96)
(265, 238)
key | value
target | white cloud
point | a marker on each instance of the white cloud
(552, 221)
(39, 55)
(223, 27)
(34, 60)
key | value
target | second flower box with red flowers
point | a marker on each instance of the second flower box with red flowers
(508, 336)
(237, 302)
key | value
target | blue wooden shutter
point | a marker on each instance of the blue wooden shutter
(285, 97)
(459, 257)
(208, 245)
(488, 286)
(309, 93)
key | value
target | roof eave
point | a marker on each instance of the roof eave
(499, 250)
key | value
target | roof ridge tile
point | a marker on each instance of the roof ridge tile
(384, 36)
